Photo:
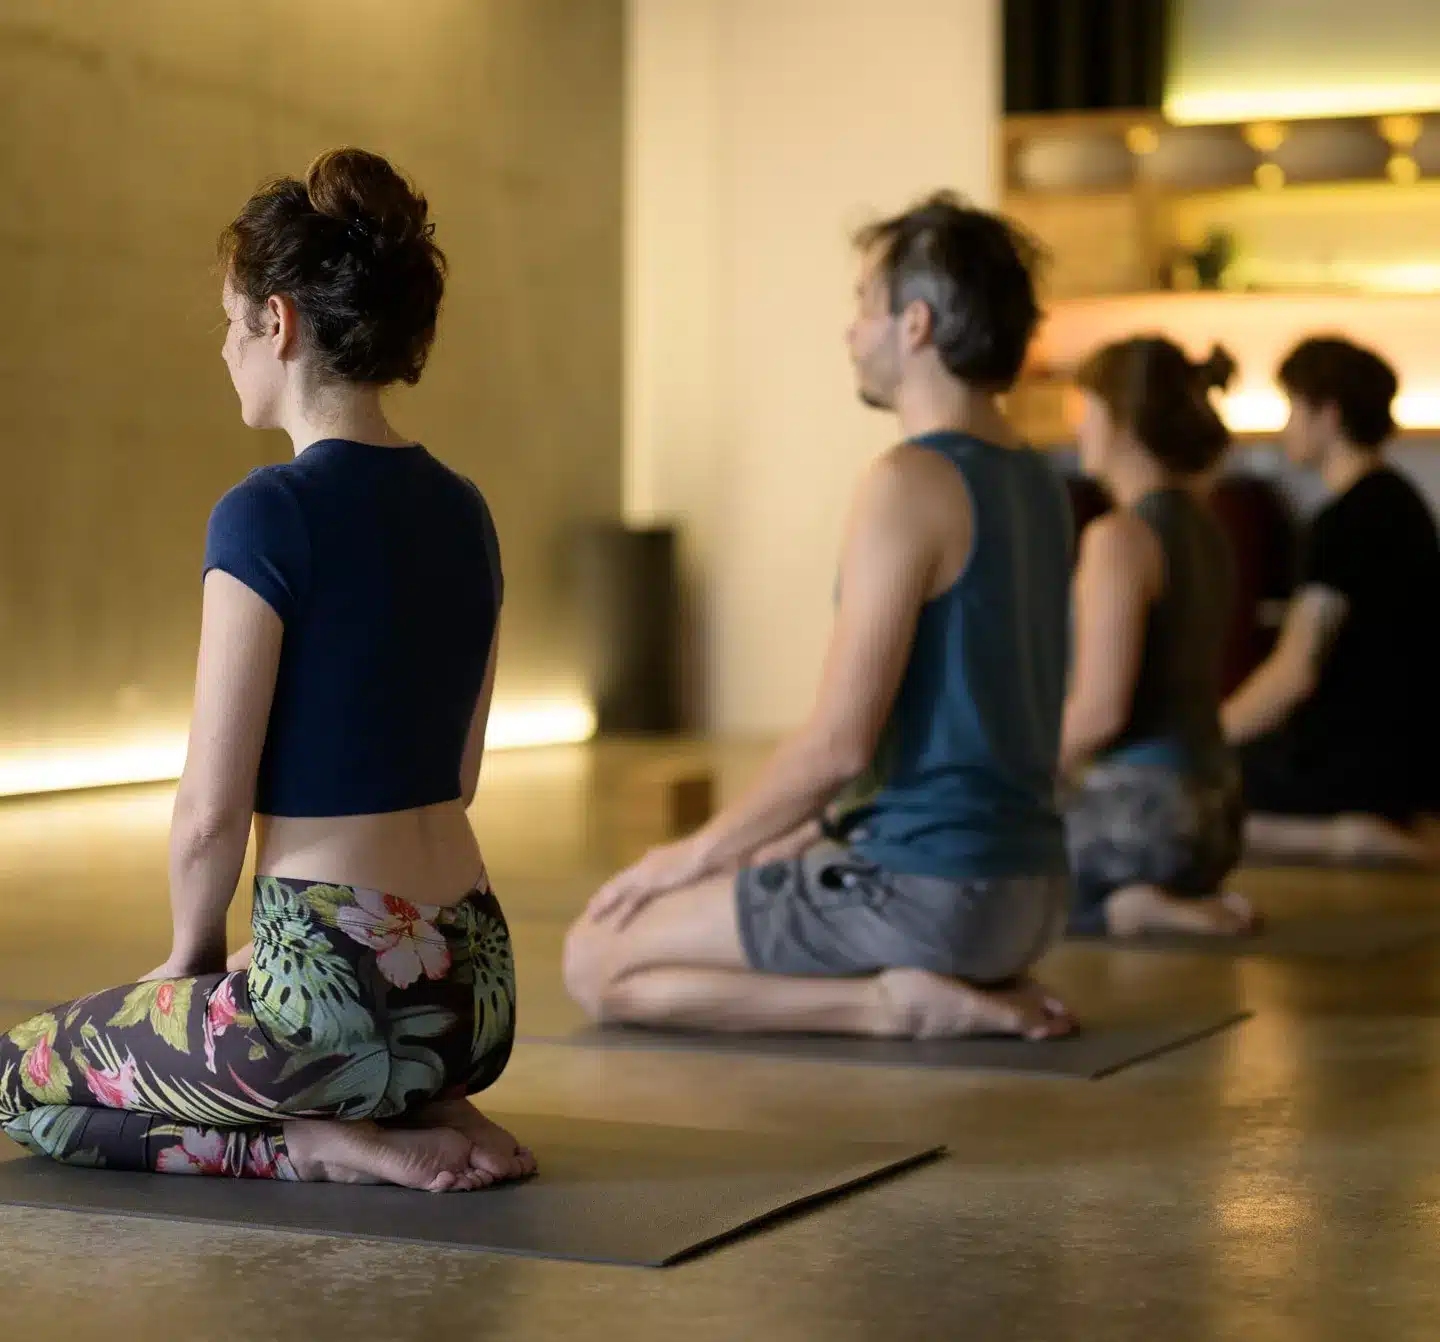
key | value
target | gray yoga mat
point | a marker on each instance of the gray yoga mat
(1089, 1054)
(624, 1194)
(1334, 937)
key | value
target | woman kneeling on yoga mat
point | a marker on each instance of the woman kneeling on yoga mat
(347, 656)
(1154, 817)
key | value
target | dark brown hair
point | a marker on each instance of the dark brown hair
(352, 248)
(1329, 370)
(973, 270)
(1151, 389)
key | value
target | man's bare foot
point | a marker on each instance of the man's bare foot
(437, 1160)
(1349, 839)
(493, 1149)
(916, 1004)
(1426, 831)
(1371, 838)
(1146, 908)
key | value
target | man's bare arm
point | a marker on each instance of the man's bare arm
(887, 566)
(1280, 684)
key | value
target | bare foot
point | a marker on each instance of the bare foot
(1350, 839)
(1146, 908)
(1371, 838)
(493, 1149)
(1427, 837)
(437, 1160)
(916, 1004)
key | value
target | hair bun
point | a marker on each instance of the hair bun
(1150, 388)
(353, 249)
(364, 192)
(1216, 369)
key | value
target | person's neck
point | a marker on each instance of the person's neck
(949, 406)
(1345, 464)
(1130, 480)
(352, 413)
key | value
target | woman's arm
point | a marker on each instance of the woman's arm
(240, 637)
(1118, 575)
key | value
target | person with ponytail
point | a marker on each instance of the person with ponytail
(1154, 819)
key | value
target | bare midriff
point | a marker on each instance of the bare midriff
(428, 855)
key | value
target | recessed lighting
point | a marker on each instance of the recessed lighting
(1402, 170)
(1265, 137)
(1142, 140)
(1269, 176)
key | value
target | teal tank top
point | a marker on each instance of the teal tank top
(962, 786)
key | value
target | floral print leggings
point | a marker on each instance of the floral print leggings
(356, 1005)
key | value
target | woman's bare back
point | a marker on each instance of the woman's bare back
(428, 855)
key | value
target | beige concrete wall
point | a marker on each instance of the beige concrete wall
(760, 132)
(129, 134)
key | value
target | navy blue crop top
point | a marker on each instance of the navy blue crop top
(385, 568)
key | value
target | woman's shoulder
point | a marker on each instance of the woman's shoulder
(259, 518)
(267, 492)
(1120, 543)
(1123, 533)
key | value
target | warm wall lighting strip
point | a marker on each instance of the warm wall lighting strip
(63, 768)
(1189, 107)
(1259, 409)
(562, 722)
(69, 768)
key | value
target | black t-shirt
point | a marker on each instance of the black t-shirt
(1379, 689)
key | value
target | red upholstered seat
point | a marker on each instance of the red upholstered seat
(1263, 534)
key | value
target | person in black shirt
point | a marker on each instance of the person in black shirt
(1340, 726)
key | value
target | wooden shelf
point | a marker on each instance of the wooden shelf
(1122, 201)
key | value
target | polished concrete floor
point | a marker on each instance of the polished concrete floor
(1279, 1182)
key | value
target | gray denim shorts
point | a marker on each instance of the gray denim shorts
(829, 912)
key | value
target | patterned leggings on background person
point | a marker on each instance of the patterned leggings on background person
(1145, 825)
(356, 1005)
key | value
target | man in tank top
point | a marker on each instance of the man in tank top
(900, 864)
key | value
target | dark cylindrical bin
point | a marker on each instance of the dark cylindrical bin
(628, 589)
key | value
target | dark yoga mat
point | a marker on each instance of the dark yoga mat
(618, 1193)
(1089, 1054)
(1348, 937)
(1307, 861)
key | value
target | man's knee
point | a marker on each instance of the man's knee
(586, 966)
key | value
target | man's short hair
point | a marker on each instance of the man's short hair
(1330, 370)
(974, 271)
